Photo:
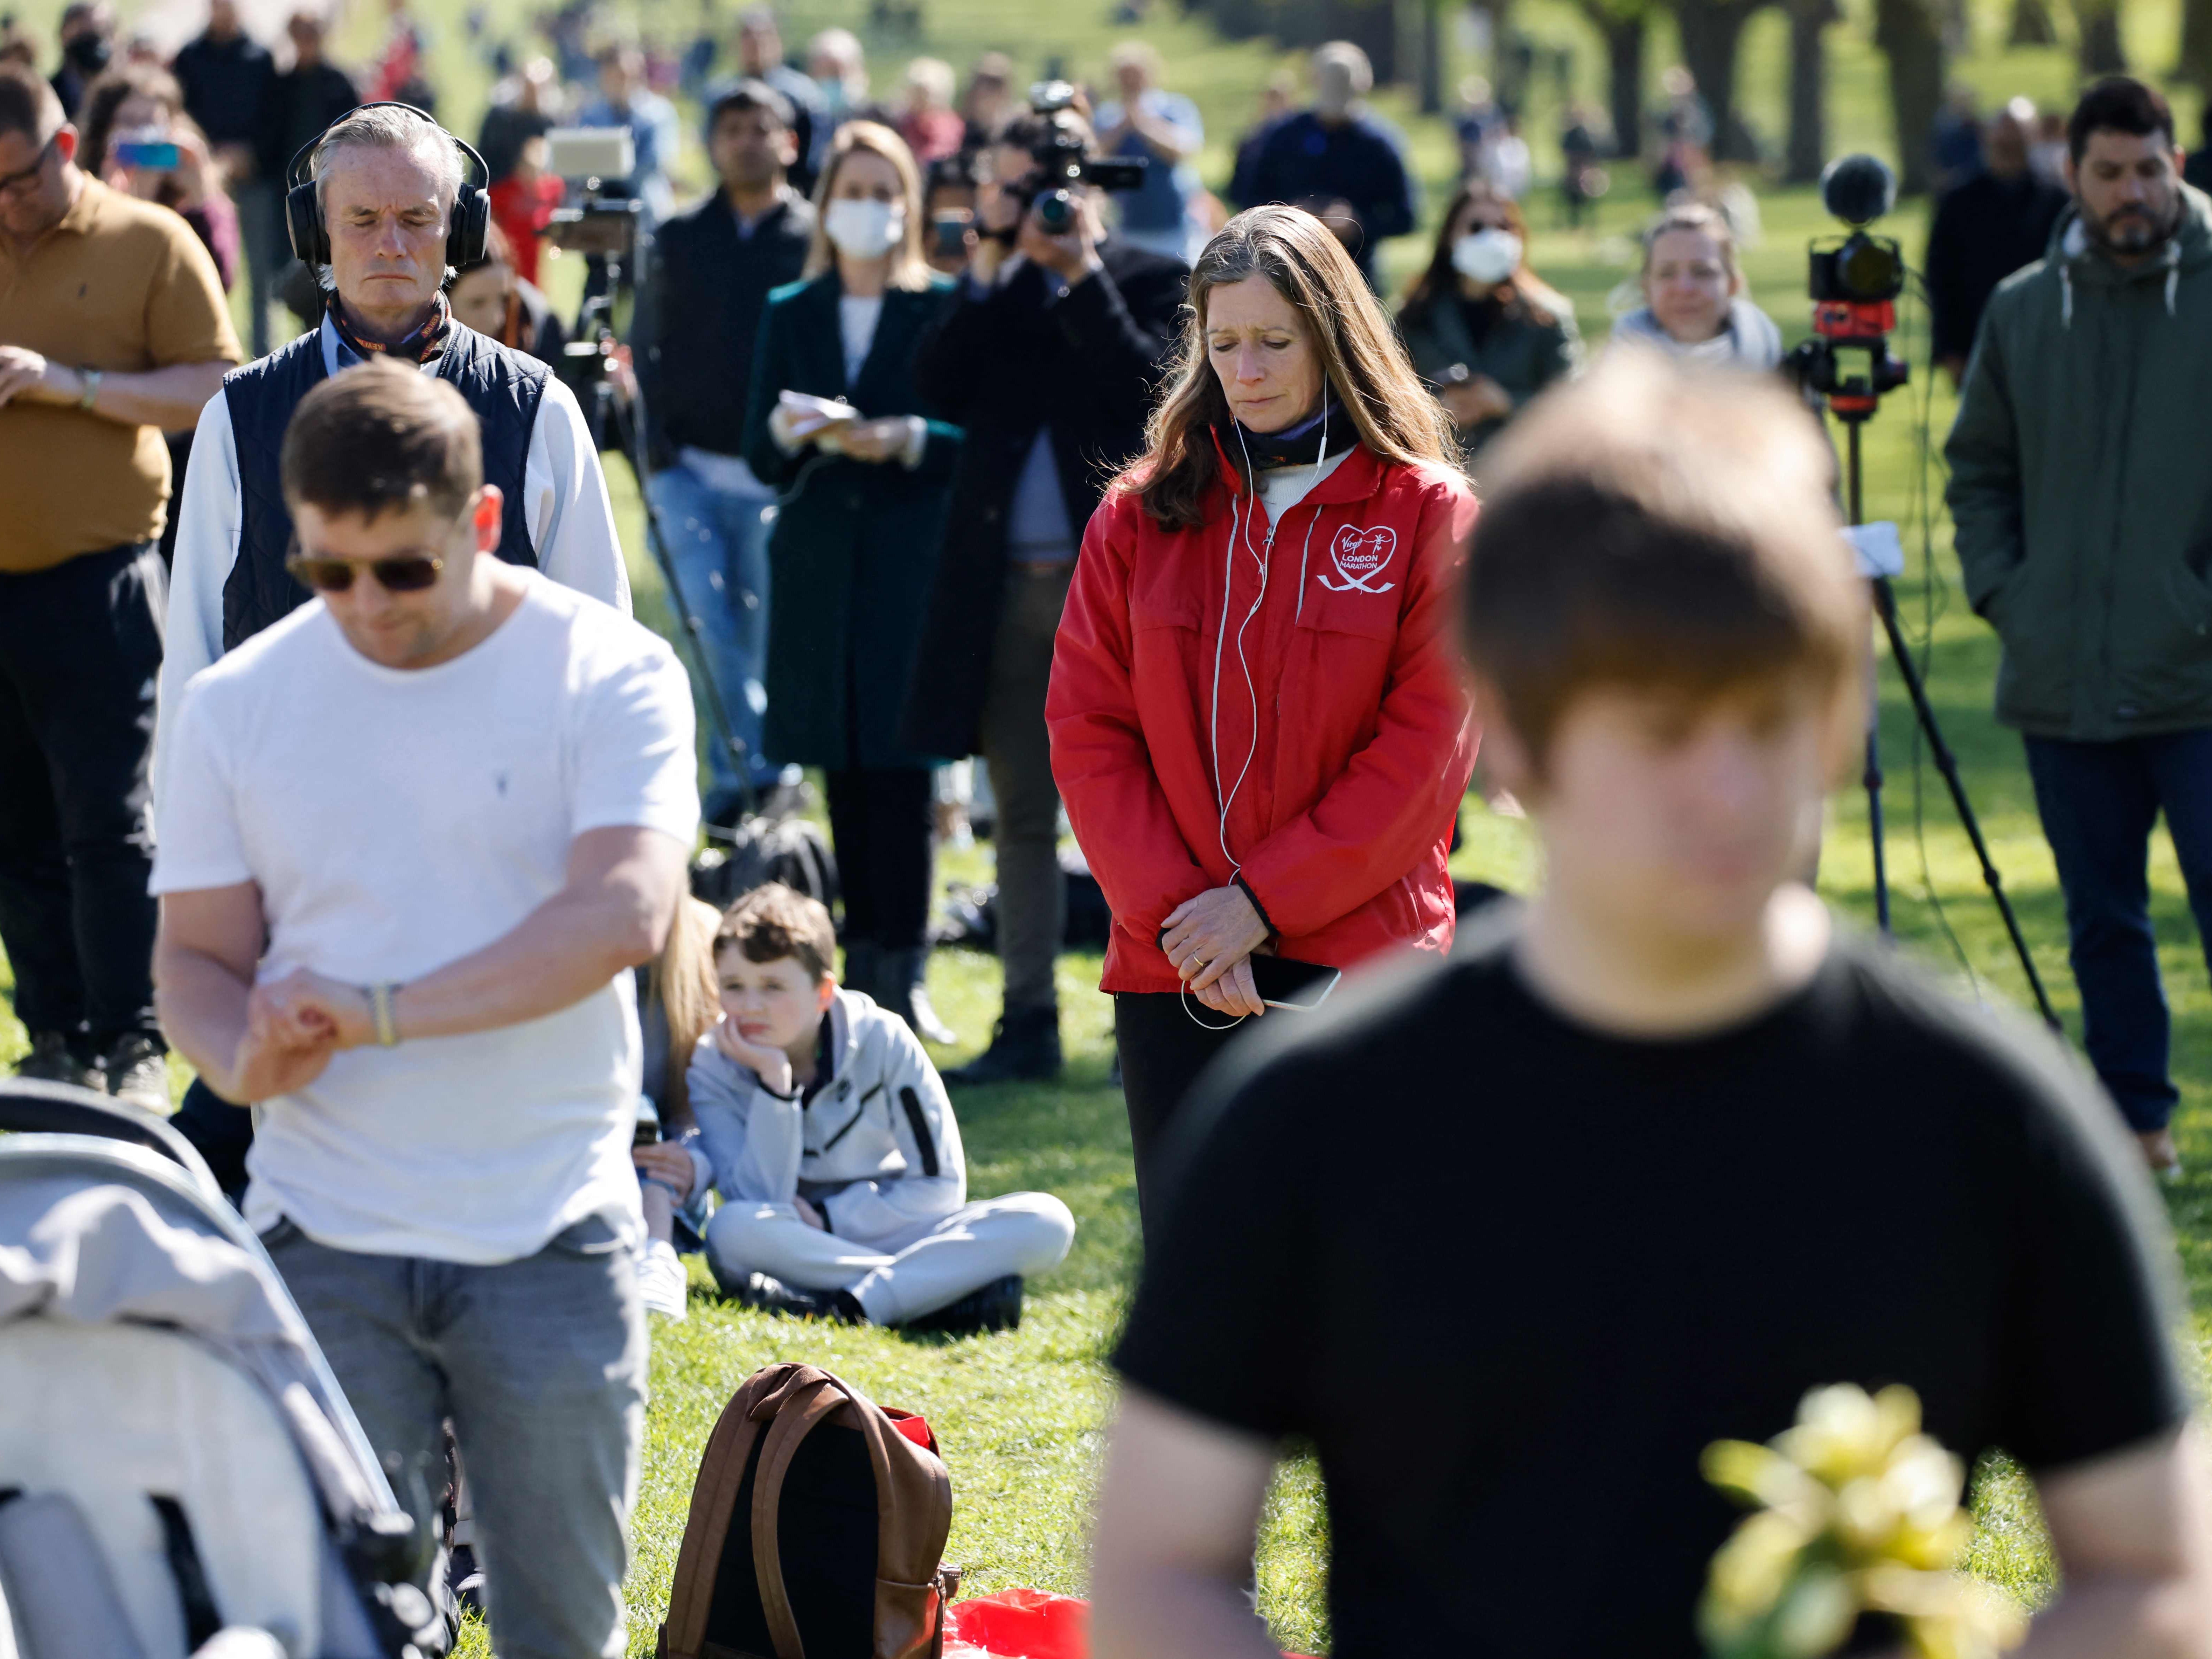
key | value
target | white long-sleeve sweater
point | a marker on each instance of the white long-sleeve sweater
(872, 1144)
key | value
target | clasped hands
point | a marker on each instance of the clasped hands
(293, 1027)
(1210, 940)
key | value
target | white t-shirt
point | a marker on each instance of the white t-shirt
(398, 819)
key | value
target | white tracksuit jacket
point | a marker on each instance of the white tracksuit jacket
(876, 1148)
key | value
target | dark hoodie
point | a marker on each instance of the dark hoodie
(2079, 488)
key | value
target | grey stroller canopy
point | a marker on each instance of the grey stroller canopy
(179, 1473)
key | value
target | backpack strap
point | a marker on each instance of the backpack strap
(794, 1423)
(914, 1518)
(721, 1472)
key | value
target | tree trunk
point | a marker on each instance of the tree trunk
(1370, 25)
(1624, 38)
(1909, 34)
(1432, 57)
(2032, 25)
(2099, 47)
(2196, 65)
(1712, 31)
(1809, 73)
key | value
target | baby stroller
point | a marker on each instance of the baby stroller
(178, 1472)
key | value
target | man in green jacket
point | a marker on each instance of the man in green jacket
(2083, 508)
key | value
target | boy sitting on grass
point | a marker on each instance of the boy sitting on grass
(1658, 1155)
(826, 1129)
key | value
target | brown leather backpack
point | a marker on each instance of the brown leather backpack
(816, 1530)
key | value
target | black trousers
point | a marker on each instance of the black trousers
(80, 650)
(1163, 1049)
(879, 820)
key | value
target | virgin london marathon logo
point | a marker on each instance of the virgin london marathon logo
(1360, 556)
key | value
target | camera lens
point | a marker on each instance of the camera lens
(1868, 269)
(1056, 212)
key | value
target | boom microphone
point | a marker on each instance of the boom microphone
(1858, 188)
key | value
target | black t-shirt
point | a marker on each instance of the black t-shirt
(1510, 1276)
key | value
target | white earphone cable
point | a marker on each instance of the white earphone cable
(1239, 514)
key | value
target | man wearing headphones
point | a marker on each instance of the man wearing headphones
(381, 208)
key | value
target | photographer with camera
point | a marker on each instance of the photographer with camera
(698, 321)
(1048, 361)
(2080, 497)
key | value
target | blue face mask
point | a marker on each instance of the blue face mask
(833, 94)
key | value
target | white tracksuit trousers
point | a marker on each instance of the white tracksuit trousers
(906, 1275)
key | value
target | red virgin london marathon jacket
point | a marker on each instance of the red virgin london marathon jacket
(1299, 675)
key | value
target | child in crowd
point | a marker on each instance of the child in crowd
(1657, 1155)
(826, 1129)
(677, 1006)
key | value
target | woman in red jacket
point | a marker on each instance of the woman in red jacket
(1256, 722)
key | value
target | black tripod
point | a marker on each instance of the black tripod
(1854, 412)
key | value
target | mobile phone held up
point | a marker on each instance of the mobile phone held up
(145, 156)
(1283, 982)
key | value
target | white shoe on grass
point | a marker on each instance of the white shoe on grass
(661, 1284)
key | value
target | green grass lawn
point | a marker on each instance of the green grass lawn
(1020, 1414)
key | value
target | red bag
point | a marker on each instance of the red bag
(1022, 1624)
(1018, 1624)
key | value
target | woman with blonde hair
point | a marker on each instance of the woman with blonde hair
(1482, 327)
(1256, 723)
(679, 1001)
(853, 553)
(1694, 306)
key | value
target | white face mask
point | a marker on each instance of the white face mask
(864, 230)
(1488, 256)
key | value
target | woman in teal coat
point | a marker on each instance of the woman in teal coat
(853, 552)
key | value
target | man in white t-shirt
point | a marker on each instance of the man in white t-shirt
(455, 799)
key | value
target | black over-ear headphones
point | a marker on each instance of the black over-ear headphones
(311, 233)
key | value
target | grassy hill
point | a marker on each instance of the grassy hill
(1020, 1414)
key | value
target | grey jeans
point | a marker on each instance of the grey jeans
(1032, 916)
(541, 1366)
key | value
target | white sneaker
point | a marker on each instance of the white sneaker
(661, 1284)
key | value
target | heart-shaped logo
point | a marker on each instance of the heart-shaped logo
(1359, 557)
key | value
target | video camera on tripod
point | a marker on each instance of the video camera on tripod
(1855, 281)
(1064, 161)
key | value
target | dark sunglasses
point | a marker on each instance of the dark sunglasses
(402, 576)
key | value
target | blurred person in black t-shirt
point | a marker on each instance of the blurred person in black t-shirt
(229, 81)
(761, 57)
(305, 98)
(86, 35)
(1508, 1239)
(1988, 227)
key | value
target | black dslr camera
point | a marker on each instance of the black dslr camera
(1854, 283)
(1063, 160)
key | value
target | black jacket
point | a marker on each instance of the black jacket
(503, 387)
(226, 85)
(302, 101)
(699, 320)
(1984, 231)
(1003, 367)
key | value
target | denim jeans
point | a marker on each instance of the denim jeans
(718, 541)
(2099, 801)
(541, 1366)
